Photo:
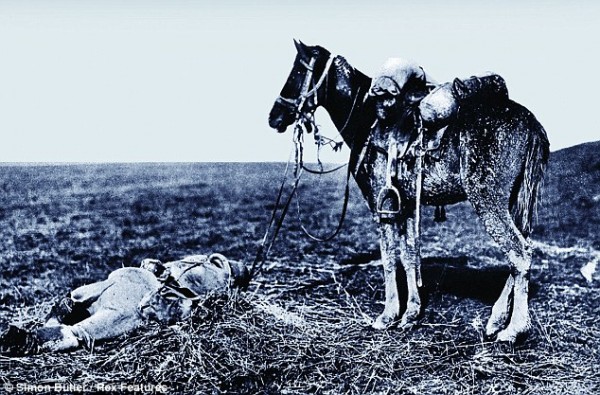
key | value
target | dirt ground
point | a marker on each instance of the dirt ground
(304, 324)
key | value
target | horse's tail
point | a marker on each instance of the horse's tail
(529, 184)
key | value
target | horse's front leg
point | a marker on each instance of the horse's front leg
(392, 242)
(408, 256)
(389, 242)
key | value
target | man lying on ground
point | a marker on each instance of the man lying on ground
(125, 301)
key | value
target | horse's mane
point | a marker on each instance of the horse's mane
(343, 64)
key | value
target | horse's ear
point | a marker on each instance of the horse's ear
(301, 48)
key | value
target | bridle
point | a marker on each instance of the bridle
(306, 92)
(303, 117)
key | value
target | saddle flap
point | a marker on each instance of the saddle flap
(432, 144)
(433, 139)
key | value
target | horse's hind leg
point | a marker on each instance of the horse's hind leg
(520, 322)
(501, 310)
(501, 227)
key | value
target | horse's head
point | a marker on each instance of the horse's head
(301, 93)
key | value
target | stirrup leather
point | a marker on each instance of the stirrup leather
(389, 192)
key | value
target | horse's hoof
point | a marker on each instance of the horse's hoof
(514, 332)
(407, 325)
(408, 322)
(489, 337)
(512, 337)
(491, 331)
(410, 318)
(506, 336)
(383, 322)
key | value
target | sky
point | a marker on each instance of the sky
(193, 81)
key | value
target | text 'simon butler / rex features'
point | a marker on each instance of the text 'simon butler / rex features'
(85, 388)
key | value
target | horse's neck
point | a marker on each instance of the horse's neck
(345, 103)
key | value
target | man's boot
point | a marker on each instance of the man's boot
(18, 342)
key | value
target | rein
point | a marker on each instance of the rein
(303, 118)
(308, 119)
(298, 140)
(263, 248)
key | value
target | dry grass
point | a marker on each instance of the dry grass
(252, 343)
(303, 327)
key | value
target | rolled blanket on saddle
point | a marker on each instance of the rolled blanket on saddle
(443, 103)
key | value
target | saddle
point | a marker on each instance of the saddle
(440, 106)
(433, 111)
(407, 147)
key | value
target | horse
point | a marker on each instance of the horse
(494, 156)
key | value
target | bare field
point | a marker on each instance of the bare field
(303, 326)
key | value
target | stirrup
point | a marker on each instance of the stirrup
(388, 192)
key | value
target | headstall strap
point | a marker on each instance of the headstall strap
(305, 119)
(287, 102)
(308, 66)
(306, 91)
(305, 86)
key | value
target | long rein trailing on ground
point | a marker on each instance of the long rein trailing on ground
(305, 122)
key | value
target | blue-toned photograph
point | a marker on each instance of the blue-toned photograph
(394, 197)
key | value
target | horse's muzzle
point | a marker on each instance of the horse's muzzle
(277, 125)
(280, 118)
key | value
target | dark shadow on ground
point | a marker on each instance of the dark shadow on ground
(447, 275)
(452, 275)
